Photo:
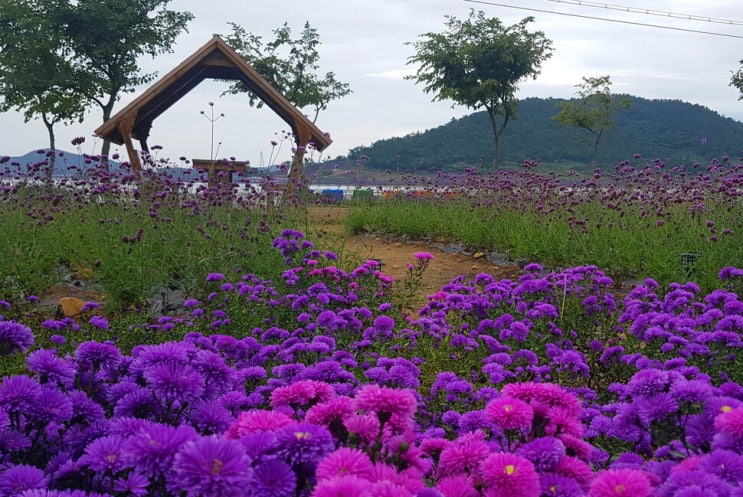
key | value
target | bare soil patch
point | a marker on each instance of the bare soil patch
(396, 254)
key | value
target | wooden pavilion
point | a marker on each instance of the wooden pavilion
(215, 60)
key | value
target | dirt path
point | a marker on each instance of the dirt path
(395, 255)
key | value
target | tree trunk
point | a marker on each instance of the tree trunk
(496, 139)
(106, 146)
(52, 146)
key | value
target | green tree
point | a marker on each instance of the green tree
(593, 109)
(478, 63)
(737, 80)
(35, 77)
(105, 38)
(289, 65)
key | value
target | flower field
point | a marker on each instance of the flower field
(298, 372)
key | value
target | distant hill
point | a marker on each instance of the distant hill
(671, 130)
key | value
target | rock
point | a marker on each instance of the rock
(71, 307)
(479, 255)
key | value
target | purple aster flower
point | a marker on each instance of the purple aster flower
(544, 453)
(17, 479)
(303, 443)
(50, 406)
(274, 478)
(96, 355)
(99, 322)
(134, 483)
(18, 392)
(14, 337)
(104, 454)
(211, 417)
(725, 464)
(174, 382)
(457, 486)
(50, 368)
(423, 256)
(555, 485)
(345, 461)
(153, 446)
(621, 483)
(649, 382)
(506, 475)
(214, 277)
(211, 467)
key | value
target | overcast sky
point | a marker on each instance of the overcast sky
(363, 43)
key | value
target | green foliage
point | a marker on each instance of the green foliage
(465, 142)
(92, 50)
(736, 80)
(594, 108)
(35, 76)
(289, 65)
(478, 63)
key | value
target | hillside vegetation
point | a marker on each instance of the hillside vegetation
(674, 131)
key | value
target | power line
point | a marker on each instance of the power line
(651, 12)
(605, 19)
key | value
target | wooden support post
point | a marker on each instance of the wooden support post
(125, 128)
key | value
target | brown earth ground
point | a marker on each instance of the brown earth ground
(396, 254)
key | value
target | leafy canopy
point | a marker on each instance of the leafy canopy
(478, 63)
(594, 108)
(289, 65)
(736, 80)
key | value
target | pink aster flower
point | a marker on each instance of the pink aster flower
(574, 468)
(257, 420)
(365, 427)
(301, 393)
(345, 461)
(342, 486)
(338, 408)
(423, 256)
(621, 483)
(506, 475)
(731, 422)
(464, 454)
(510, 413)
(386, 402)
(457, 486)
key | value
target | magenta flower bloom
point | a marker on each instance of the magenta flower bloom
(301, 393)
(14, 337)
(731, 422)
(338, 408)
(464, 454)
(345, 461)
(423, 256)
(257, 421)
(457, 486)
(510, 413)
(506, 475)
(621, 483)
(211, 467)
(386, 401)
(342, 486)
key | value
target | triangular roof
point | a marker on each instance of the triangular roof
(215, 60)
